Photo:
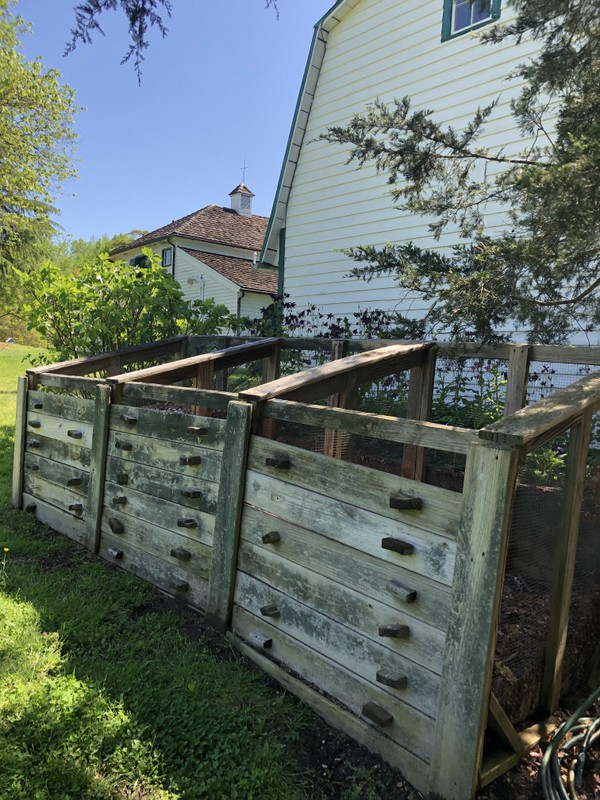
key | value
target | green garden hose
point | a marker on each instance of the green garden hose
(583, 732)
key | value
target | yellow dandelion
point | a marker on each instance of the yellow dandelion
(6, 549)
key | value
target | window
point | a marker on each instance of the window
(167, 256)
(139, 261)
(461, 16)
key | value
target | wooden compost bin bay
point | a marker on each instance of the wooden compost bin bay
(372, 596)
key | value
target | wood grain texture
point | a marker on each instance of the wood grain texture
(62, 405)
(60, 451)
(57, 519)
(361, 486)
(229, 510)
(368, 574)
(171, 425)
(97, 467)
(411, 728)
(56, 472)
(415, 769)
(489, 488)
(62, 429)
(424, 646)
(177, 395)
(363, 530)
(60, 496)
(518, 376)
(420, 395)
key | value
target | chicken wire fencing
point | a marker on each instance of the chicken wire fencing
(523, 628)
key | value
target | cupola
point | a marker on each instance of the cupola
(241, 200)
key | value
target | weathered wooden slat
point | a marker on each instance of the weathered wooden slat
(97, 467)
(159, 512)
(163, 484)
(501, 725)
(423, 647)
(177, 395)
(411, 728)
(489, 488)
(187, 367)
(518, 376)
(98, 363)
(353, 526)
(367, 574)
(420, 394)
(413, 768)
(62, 452)
(227, 523)
(61, 405)
(539, 423)
(61, 521)
(59, 496)
(565, 354)
(78, 384)
(367, 488)
(20, 442)
(61, 429)
(321, 381)
(55, 472)
(167, 576)
(564, 560)
(170, 425)
(158, 543)
(165, 455)
(376, 426)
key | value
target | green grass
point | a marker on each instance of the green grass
(104, 696)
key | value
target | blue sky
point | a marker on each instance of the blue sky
(220, 89)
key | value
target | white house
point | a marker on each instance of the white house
(364, 50)
(213, 253)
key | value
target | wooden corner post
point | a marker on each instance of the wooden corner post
(229, 511)
(476, 592)
(97, 467)
(420, 395)
(20, 440)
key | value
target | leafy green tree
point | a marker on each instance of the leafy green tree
(141, 16)
(36, 144)
(542, 271)
(108, 305)
(72, 255)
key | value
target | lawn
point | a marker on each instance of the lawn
(110, 690)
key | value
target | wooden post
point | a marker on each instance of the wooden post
(518, 375)
(476, 591)
(93, 516)
(331, 443)
(205, 379)
(271, 368)
(420, 394)
(229, 511)
(20, 439)
(564, 567)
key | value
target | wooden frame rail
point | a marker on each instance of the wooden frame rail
(375, 426)
(115, 360)
(535, 425)
(179, 395)
(340, 375)
(202, 366)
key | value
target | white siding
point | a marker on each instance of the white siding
(383, 49)
(199, 282)
(252, 303)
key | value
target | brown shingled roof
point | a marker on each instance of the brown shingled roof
(238, 270)
(213, 224)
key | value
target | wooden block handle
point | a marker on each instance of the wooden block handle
(190, 461)
(33, 467)
(76, 507)
(74, 481)
(260, 640)
(38, 405)
(113, 552)
(377, 714)
(120, 500)
(271, 537)
(196, 430)
(30, 508)
(179, 586)
(129, 419)
(35, 423)
(34, 444)
(192, 493)
(406, 503)
(116, 525)
(278, 463)
(123, 479)
(181, 553)
(394, 631)
(188, 522)
(270, 610)
(390, 678)
(397, 546)
(122, 445)
(405, 593)
(75, 434)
